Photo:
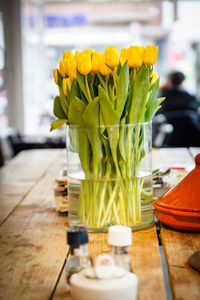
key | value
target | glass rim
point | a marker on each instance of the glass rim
(108, 126)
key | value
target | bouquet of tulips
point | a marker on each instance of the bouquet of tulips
(104, 94)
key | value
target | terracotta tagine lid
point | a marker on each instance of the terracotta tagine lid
(180, 206)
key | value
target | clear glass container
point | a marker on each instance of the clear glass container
(121, 257)
(110, 176)
(77, 239)
(78, 259)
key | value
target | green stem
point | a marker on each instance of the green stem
(88, 90)
(112, 197)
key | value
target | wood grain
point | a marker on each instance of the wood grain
(178, 246)
(33, 244)
(21, 173)
(146, 263)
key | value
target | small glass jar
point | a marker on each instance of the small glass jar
(119, 238)
(78, 258)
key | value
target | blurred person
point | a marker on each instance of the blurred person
(181, 111)
(177, 98)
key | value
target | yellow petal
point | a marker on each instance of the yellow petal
(135, 59)
(154, 78)
(67, 54)
(55, 75)
(112, 56)
(84, 63)
(150, 55)
(66, 83)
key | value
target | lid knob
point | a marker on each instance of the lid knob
(119, 235)
(197, 160)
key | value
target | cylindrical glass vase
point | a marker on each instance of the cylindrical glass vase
(110, 176)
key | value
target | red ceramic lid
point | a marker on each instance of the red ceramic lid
(186, 194)
(181, 204)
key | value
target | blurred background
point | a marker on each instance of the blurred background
(34, 33)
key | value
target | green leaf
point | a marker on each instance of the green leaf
(90, 118)
(58, 123)
(102, 82)
(152, 109)
(60, 79)
(140, 93)
(122, 88)
(63, 101)
(75, 92)
(79, 135)
(76, 108)
(122, 141)
(110, 117)
(153, 92)
(58, 110)
(81, 82)
(111, 93)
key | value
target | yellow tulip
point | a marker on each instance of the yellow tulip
(67, 54)
(134, 57)
(66, 83)
(84, 63)
(142, 52)
(96, 62)
(112, 56)
(103, 69)
(150, 55)
(123, 56)
(62, 67)
(154, 78)
(71, 67)
(55, 75)
(91, 51)
(77, 53)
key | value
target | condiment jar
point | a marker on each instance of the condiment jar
(119, 238)
(104, 282)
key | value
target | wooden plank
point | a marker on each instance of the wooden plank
(178, 246)
(32, 242)
(20, 175)
(172, 158)
(146, 263)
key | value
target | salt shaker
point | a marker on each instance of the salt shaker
(77, 239)
(119, 238)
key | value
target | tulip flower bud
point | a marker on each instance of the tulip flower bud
(150, 55)
(77, 53)
(134, 57)
(71, 66)
(91, 51)
(62, 67)
(104, 70)
(84, 63)
(142, 52)
(123, 56)
(154, 78)
(112, 56)
(55, 75)
(67, 54)
(96, 62)
(66, 83)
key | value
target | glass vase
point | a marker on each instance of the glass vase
(110, 176)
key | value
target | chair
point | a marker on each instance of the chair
(161, 131)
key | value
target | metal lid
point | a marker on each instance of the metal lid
(119, 235)
(77, 236)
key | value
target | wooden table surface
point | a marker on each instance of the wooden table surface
(33, 246)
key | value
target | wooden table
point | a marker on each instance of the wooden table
(33, 245)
